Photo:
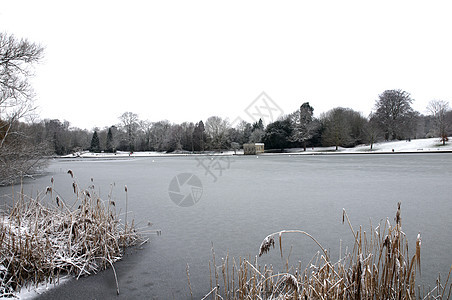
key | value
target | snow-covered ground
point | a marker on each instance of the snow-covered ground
(32, 291)
(413, 146)
(432, 144)
(123, 154)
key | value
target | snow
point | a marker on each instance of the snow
(421, 145)
(32, 292)
(413, 146)
(123, 154)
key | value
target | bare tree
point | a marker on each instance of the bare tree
(18, 155)
(372, 130)
(146, 134)
(216, 130)
(394, 113)
(159, 135)
(187, 138)
(173, 140)
(16, 94)
(57, 135)
(20, 158)
(438, 110)
(245, 130)
(129, 122)
(336, 127)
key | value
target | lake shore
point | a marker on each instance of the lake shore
(431, 145)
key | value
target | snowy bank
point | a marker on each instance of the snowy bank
(124, 155)
(44, 238)
(413, 146)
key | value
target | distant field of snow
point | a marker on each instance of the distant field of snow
(413, 146)
(123, 154)
(420, 145)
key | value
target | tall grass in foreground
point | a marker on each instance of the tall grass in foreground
(378, 267)
(45, 236)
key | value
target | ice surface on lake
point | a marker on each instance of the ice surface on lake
(251, 199)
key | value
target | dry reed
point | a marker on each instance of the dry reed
(378, 267)
(45, 236)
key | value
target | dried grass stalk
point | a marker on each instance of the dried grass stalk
(43, 237)
(378, 267)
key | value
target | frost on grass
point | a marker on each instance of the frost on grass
(45, 236)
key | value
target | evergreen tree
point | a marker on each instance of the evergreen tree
(304, 125)
(109, 143)
(95, 145)
(277, 134)
(258, 125)
(199, 137)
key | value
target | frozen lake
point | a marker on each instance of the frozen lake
(244, 199)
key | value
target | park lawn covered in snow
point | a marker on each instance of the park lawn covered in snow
(432, 144)
(413, 146)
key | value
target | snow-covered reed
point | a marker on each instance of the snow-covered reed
(378, 267)
(45, 236)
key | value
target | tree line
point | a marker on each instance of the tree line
(25, 140)
(392, 119)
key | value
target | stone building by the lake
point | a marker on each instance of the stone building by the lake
(253, 148)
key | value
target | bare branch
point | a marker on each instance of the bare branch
(19, 156)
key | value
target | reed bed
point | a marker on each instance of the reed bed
(378, 267)
(45, 236)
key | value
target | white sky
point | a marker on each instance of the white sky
(189, 60)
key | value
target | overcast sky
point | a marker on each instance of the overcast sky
(188, 60)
